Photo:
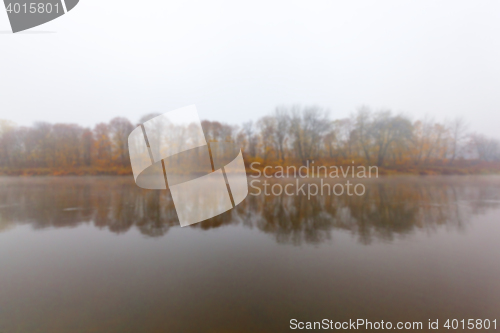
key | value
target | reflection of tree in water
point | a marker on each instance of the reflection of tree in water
(112, 203)
(390, 208)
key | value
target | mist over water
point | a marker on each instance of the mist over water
(389, 209)
(98, 253)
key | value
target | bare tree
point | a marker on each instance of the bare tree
(267, 129)
(120, 128)
(250, 137)
(307, 128)
(218, 132)
(377, 134)
(282, 126)
(362, 130)
(338, 140)
(487, 149)
(457, 129)
(7, 129)
(422, 140)
(388, 130)
(102, 144)
(438, 143)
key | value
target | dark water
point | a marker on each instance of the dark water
(101, 255)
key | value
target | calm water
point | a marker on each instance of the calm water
(101, 255)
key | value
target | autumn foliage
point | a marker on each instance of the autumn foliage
(289, 136)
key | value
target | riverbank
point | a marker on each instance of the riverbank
(457, 168)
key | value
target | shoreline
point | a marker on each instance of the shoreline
(491, 168)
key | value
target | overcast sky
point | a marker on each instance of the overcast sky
(237, 60)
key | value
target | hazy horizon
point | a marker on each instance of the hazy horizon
(237, 62)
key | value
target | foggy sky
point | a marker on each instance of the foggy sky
(238, 60)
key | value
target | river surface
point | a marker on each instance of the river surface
(99, 254)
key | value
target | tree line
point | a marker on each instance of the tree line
(288, 135)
